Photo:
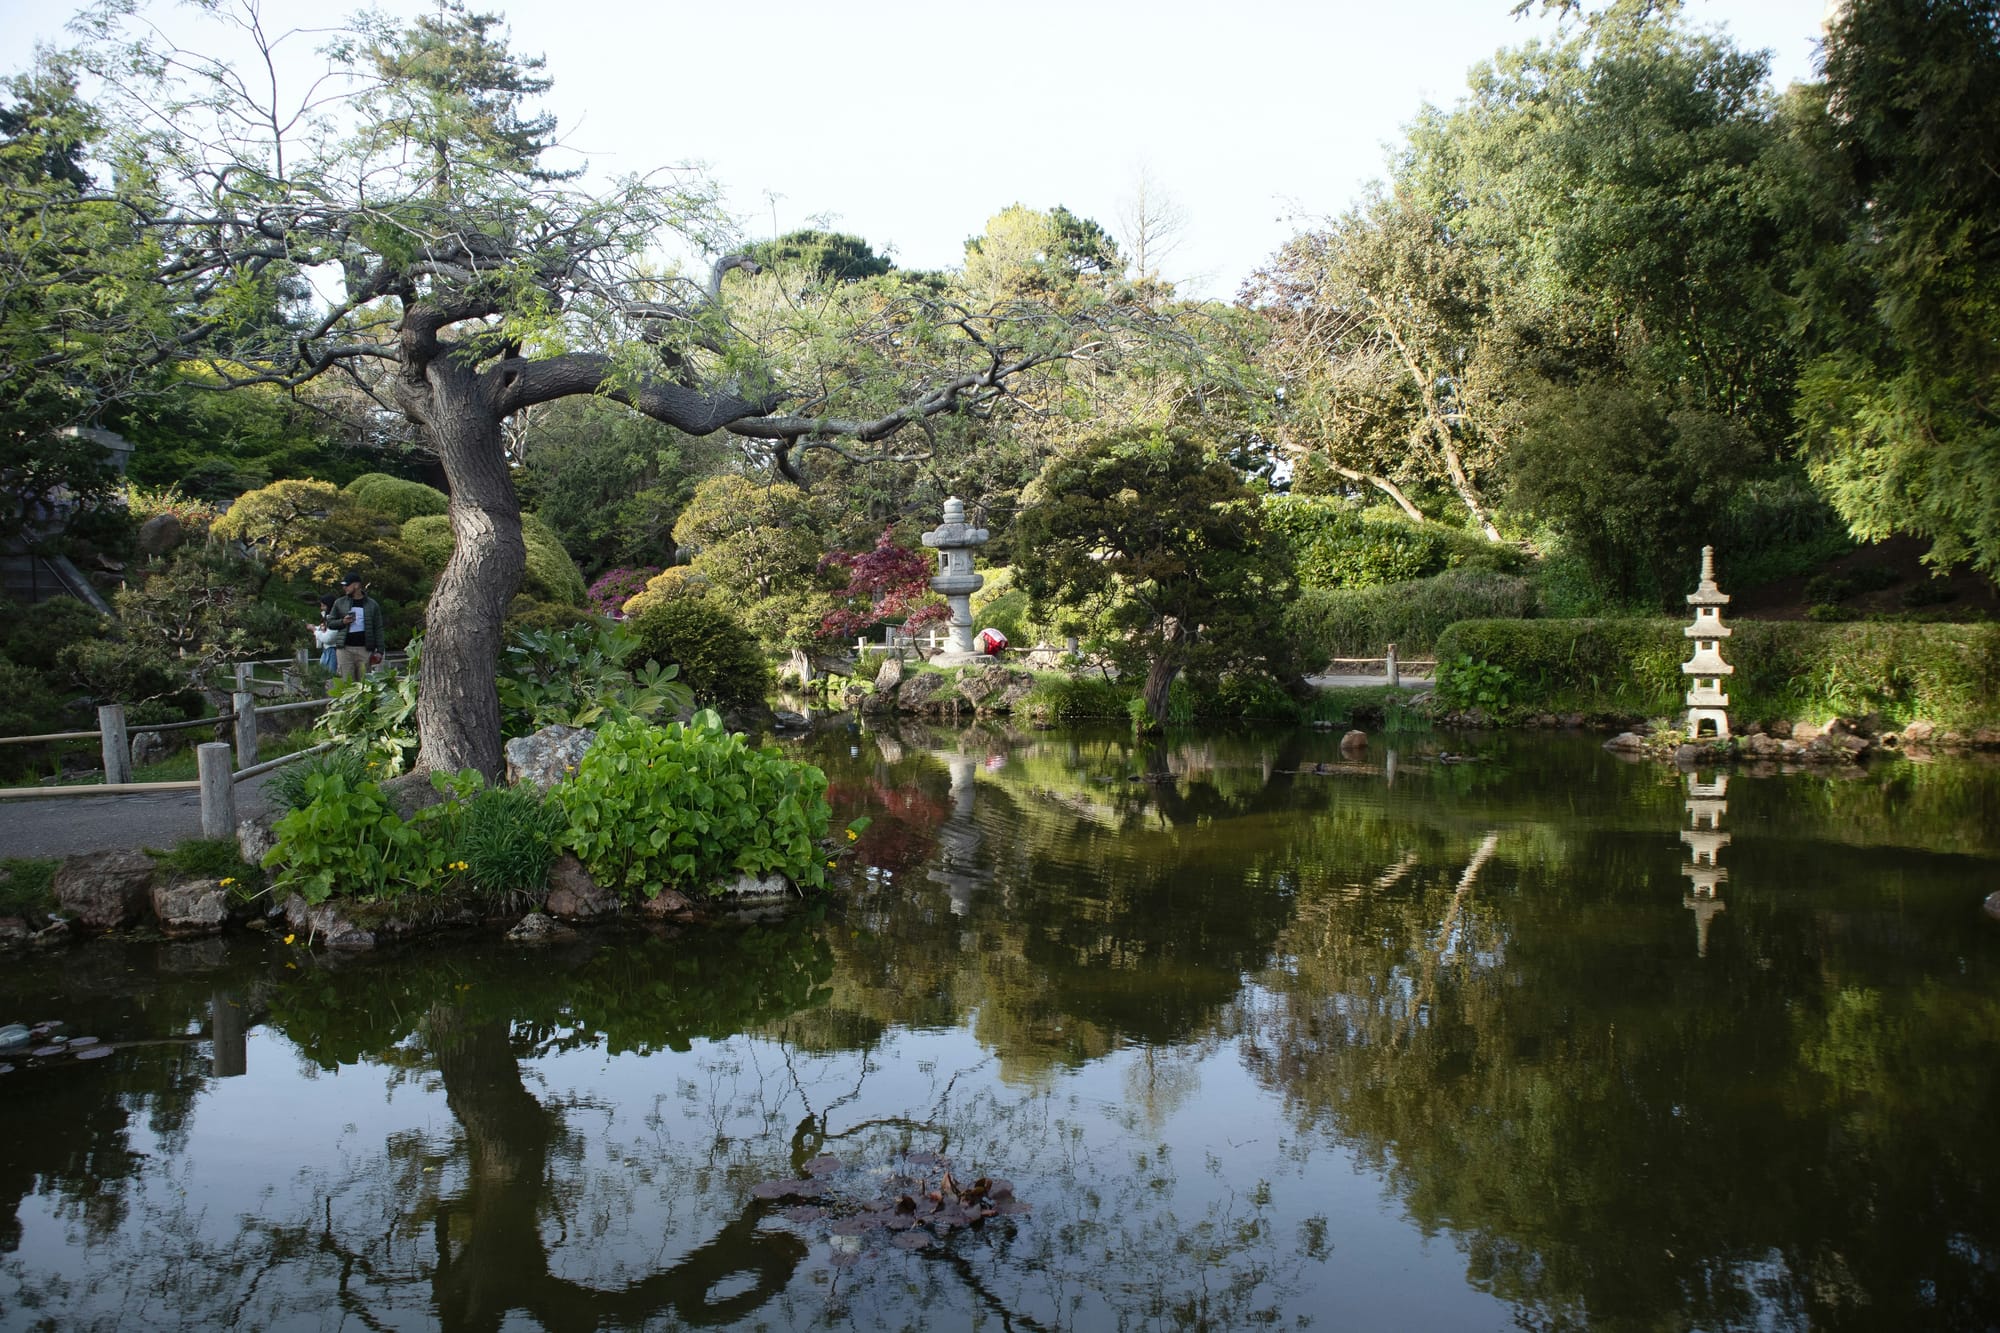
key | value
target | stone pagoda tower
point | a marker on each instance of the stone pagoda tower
(954, 540)
(1706, 701)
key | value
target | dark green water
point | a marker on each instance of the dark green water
(1461, 1048)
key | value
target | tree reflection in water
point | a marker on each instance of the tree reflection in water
(1197, 980)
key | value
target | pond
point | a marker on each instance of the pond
(1219, 1031)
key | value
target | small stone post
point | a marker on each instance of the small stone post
(117, 749)
(1389, 667)
(1706, 701)
(244, 704)
(218, 789)
(228, 1032)
(954, 540)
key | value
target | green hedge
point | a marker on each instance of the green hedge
(1333, 546)
(1326, 623)
(397, 497)
(1948, 674)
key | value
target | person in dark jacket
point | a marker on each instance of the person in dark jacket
(362, 615)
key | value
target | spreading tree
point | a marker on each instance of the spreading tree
(462, 280)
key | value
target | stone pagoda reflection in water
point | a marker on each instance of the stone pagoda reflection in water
(1705, 840)
(1706, 701)
(955, 540)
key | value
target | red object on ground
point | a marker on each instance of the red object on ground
(991, 641)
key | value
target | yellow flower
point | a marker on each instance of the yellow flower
(852, 836)
(225, 881)
(293, 966)
(290, 938)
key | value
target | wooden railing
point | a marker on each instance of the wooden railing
(219, 765)
(1391, 664)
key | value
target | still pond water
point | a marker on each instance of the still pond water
(1257, 1034)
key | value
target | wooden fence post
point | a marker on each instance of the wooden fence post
(218, 789)
(245, 705)
(117, 746)
(1389, 667)
(244, 671)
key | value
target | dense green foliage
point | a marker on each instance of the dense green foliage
(583, 675)
(347, 839)
(682, 806)
(1901, 402)
(1948, 674)
(1363, 622)
(1164, 545)
(718, 659)
(1333, 545)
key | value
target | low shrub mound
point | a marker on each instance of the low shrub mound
(690, 806)
(1948, 674)
(718, 658)
(397, 497)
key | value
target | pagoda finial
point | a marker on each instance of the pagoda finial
(1708, 564)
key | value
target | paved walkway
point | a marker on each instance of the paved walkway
(1408, 681)
(69, 825)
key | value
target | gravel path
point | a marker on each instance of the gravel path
(69, 825)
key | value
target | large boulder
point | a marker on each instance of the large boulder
(547, 757)
(539, 928)
(254, 841)
(325, 924)
(668, 905)
(927, 692)
(160, 534)
(105, 890)
(574, 895)
(889, 676)
(1993, 904)
(191, 907)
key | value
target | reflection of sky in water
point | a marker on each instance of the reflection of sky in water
(1235, 1029)
(664, 1145)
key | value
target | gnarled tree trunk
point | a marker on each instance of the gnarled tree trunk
(458, 704)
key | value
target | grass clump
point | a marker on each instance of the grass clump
(1063, 698)
(507, 838)
(27, 887)
(217, 859)
(286, 789)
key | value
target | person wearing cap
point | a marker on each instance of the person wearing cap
(362, 615)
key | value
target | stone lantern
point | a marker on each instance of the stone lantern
(955, 540)
(1706, 701)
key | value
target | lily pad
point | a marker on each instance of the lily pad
(910, 1240)
(855, 1226)
(803, 1212)
(46, 1051)
(6, 1069)
(93, 1053)
(75, 1042)
(823, 1165)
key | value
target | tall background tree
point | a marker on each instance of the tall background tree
(1900, 403)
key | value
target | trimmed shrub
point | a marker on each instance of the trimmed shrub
(1326, 623)
(1949, 674)
(717, 657)
(665, 586)
(691, 806)
(397, 497)
(551, 576)
(1333, 546)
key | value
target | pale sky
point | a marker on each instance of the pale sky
(909, 122)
